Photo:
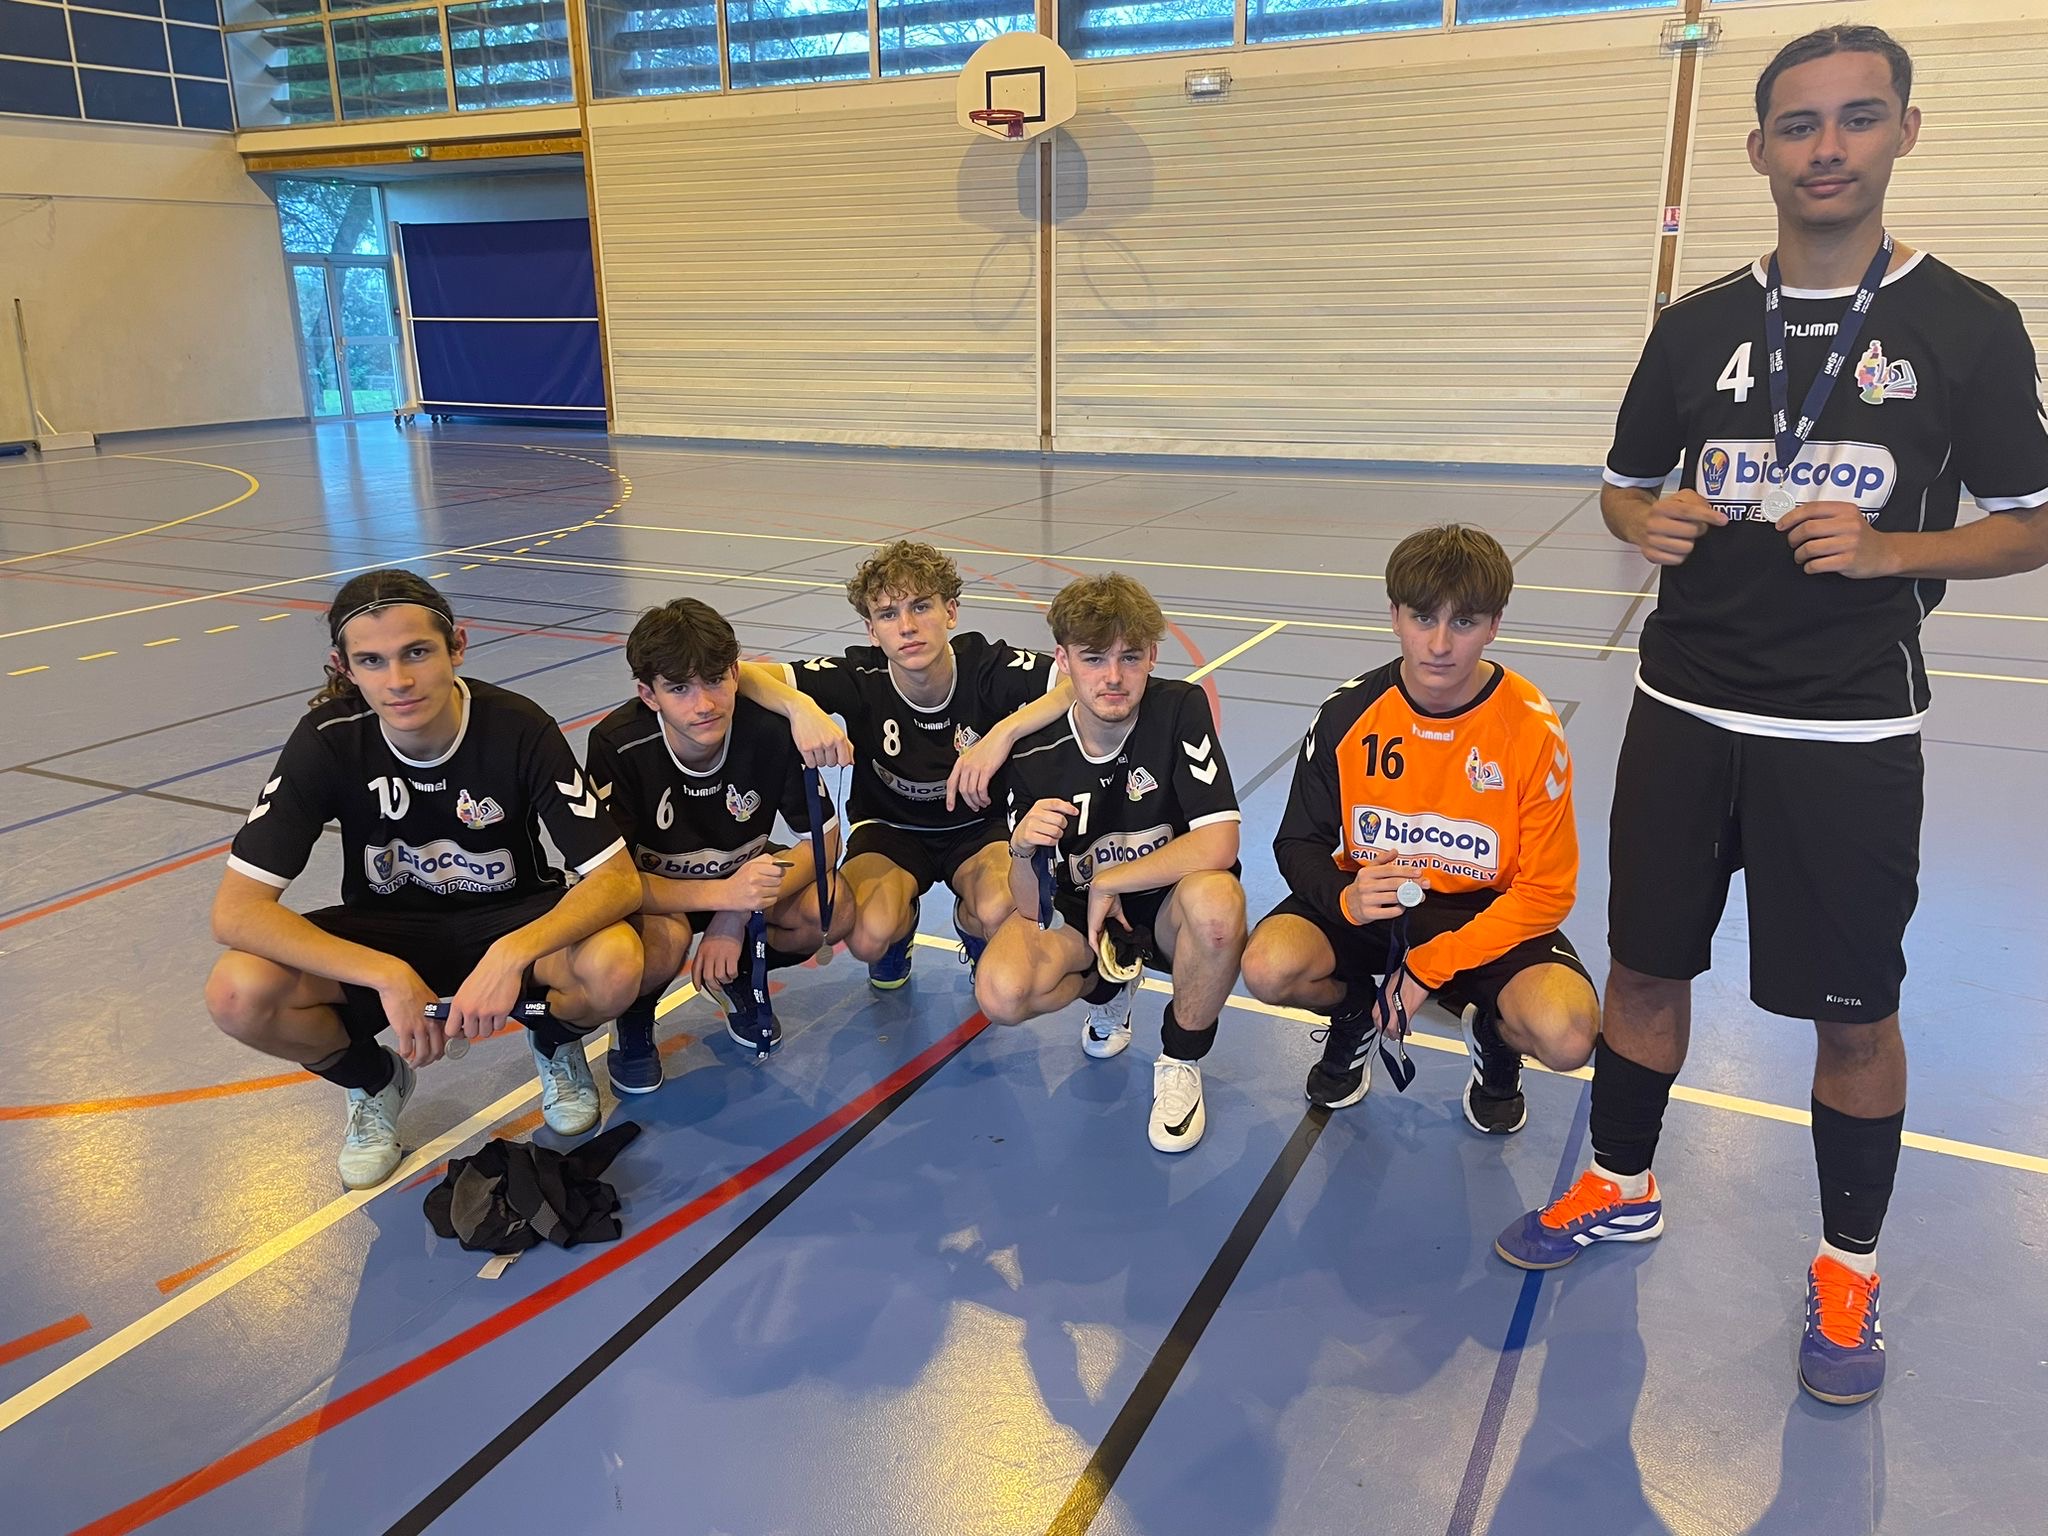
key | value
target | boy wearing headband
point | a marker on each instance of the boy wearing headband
(694, 776)
(1127, 804)
(1428, 839)
(441, 786)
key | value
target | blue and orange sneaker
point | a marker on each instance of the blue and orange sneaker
(1841, 1357)
(893, 969)
(1593, 1210)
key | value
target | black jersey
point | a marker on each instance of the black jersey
(698, 824)
(1945, 393)
(1166, 779)
(460, 831)
(904, 752)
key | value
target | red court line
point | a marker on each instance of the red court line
(170, 1283)
(81, 897)
(302, 1430)
(42, 1338)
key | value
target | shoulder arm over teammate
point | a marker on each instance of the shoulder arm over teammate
(1545, 884)
(825, 690)
(972, 775)
(1312, 827)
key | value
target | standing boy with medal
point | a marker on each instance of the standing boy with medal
(1828, 404)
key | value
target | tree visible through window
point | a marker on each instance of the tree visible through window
(331, 218)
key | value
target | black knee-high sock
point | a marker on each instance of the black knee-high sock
(1858, 1161)
(1627, 1112)
(360, 1064)
(1184, 1044)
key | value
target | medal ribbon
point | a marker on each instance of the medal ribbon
(1791, 435)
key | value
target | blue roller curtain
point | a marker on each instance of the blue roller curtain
(504, 319)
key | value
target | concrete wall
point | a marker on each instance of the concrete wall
(151, 278)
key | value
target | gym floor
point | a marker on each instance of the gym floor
(918, 1274)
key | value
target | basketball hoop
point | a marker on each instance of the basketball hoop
(1003, 122)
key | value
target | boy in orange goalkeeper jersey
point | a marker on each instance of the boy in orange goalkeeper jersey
(1429, 849)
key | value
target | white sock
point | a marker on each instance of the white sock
(1862, 1263)
(1634, 1186)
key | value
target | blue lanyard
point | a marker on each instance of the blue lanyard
(814, 792)
(1791, 435)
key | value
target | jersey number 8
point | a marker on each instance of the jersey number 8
(892, 737)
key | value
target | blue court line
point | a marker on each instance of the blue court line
(195, 773)
(1487, 1439)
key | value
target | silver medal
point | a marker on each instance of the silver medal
(1777, 502)
(1408, 893)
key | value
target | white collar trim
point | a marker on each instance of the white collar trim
(468, 713)
(1763, 277)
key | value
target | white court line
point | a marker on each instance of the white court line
(1759, 1109)
(110, 1349)
(1235, 651)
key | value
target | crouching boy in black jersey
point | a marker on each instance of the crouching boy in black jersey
(694, 776)
(1129, 803)
(441, 787)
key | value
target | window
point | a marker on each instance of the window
(792, 42)
(920, 37)
(510, 53)
(116, 61)
(280, 75)
(1091, 29)
(390, 65)
(331, 218)
(1278, 21)
(1528, 10)
(640, 50)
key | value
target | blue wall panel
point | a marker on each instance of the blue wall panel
(503, 318)
(121, 65)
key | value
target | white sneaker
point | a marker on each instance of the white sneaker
(369, 1146)
(568, 1093)
(1178, 1118)
(1107, 1029)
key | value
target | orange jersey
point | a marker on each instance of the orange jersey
(1480, 800)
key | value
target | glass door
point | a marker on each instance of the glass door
(362, 298)
(319, 368)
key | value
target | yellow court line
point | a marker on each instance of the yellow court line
(626, 490)
(253, 488)
(39, 1394)
(1193, 565)
(99, 655)
(25, 671)
(223, 629)
(150, 645)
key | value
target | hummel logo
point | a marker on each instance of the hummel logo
(1205, 767)
(581, 802)
(262, 806)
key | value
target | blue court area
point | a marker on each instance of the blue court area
(917, 1273)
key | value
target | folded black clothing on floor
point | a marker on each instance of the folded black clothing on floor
(513, 1195)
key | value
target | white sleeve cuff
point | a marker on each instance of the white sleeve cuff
(618, 846)
(1629, 483)
(263, 876)
(2013, 503)
(788, 670)
(1209, 821)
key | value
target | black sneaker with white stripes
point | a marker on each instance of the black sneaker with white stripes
(1344, 1075)
(1494, 1105)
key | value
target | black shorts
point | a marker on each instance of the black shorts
(442, 947)
(1829, 832)
(1362, 951)
(1141, 910)
(927, 857)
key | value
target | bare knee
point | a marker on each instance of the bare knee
(1269, 970)
(609, 966)
(245, 994)
(1003, 992)
(1212, 911)
(1562, 1038)
(1850, 1048)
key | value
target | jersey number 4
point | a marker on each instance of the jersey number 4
(1736, 377)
